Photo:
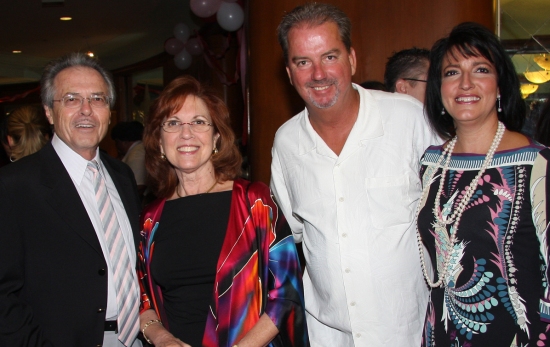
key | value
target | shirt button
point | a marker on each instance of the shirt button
(347, 271)
(100, 310)
(101, 272)
(358, 335)
(341, 199)
(345, 235)
(352, 303)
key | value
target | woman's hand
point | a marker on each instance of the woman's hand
(154, 331)
(168, 340)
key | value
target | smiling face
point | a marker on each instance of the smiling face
(189, 152)
(469, 88)
(319, 66)
(84, 127)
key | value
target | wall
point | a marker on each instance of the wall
(379, 28)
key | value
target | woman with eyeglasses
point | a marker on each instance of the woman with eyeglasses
(217, 260)
(483, 214)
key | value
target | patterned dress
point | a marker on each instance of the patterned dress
(495, 291)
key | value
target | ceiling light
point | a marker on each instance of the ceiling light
(542, 61)
(66, 18)
(527, 89)
(537, 76)
(90, 54)
(16, 51)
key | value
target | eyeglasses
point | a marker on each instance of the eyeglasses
(197, 126)
(414, 79)
(75, 101)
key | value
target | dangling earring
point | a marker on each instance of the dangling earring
(162, 156)
(499, 109)
(214, 151)
(443, 111)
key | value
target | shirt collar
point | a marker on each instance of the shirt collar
(73, 162)
(367, 126)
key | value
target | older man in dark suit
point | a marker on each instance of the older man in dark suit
(69, 224)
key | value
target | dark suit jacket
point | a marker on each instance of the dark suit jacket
(53, 283)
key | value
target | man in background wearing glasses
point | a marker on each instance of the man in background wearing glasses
(70, 224)
(407, 72)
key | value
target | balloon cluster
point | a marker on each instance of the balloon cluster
(230, 17)
(182, 47)
(229, 14)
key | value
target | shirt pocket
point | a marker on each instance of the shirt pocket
(389, 202)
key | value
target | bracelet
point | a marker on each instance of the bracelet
(152, 321)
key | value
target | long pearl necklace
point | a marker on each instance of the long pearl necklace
(441, 215)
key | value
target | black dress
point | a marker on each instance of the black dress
(187, 247)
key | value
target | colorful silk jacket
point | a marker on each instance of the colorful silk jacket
(246, 285)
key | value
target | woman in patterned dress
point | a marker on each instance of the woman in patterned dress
(217, 261)
(483, 211)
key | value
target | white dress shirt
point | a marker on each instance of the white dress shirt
(355, 215)
(135, 159)
(76, 166)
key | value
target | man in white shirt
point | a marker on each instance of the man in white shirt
(345, 173)
(127, 137)
(70, 224)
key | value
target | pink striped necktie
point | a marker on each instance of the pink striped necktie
(127, 298)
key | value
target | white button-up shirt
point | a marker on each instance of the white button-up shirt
(355, 215)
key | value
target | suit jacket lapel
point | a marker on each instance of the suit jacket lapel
(64, 197)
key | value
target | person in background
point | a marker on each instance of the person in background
(69, 227)
(407, 72)
(484, 210)
(26, 130)
(542, 133)
(217, 260)
(345, 174)
(127, 137)
(374, 85)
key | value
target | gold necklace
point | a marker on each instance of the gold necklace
(208, 191)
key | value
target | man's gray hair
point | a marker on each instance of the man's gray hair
(311, 15)
(47, 90)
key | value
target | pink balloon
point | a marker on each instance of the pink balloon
(194, 46)
(205, 8)
(173, 46)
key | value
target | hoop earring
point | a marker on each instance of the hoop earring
(12, 159)
(499, 109)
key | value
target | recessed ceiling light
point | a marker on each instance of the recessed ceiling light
(66, 18)
(16, 52)
(90, 54)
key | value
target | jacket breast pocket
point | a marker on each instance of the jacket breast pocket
(389, 202)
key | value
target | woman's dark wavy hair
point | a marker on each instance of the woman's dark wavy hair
(227, 162)
(473, 40)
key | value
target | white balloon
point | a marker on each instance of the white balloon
(230, 16)
(183, 59)
(182, 32)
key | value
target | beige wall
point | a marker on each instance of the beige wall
(379, 28)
